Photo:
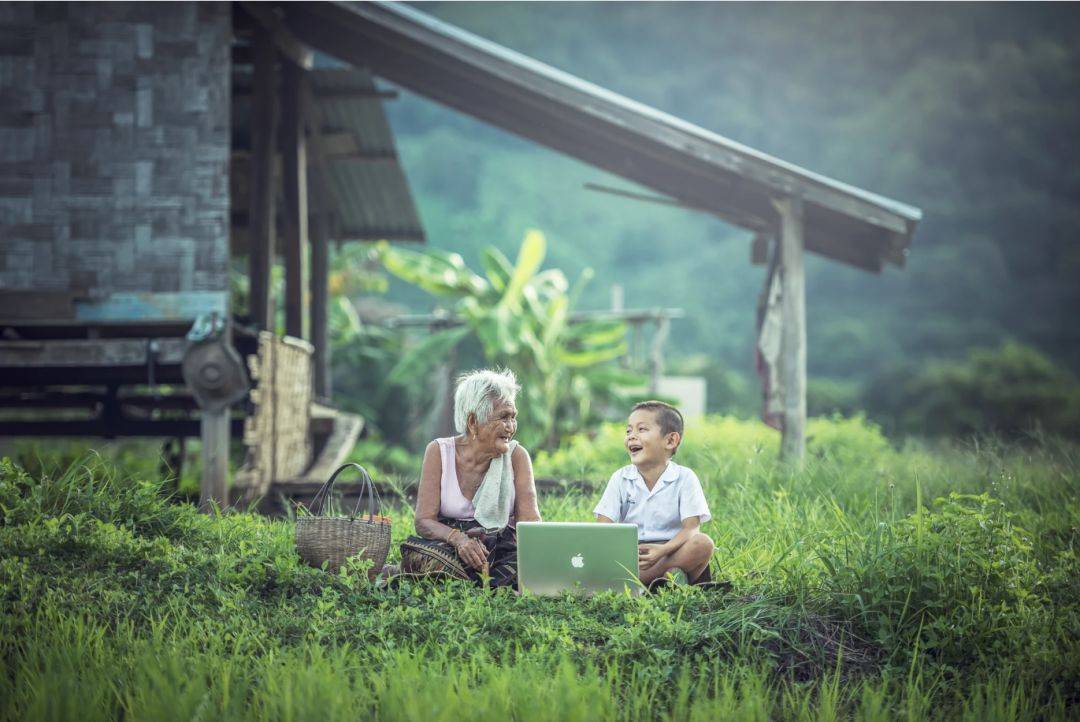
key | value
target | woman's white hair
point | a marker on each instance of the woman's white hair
(477, 392)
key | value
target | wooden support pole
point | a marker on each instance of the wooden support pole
(214, 430)
(320, 296)
(320, 195)
(284, 41)
(261, 206)
(294, 175)
(793, 330)
(656, 353)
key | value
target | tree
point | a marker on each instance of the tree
(520, 317)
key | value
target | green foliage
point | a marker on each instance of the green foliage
(1013, 389)
(713, 445)
(832, 396)
(363, 354)
(851, 598)
(968, 113)
(519, 317)
(943, 582)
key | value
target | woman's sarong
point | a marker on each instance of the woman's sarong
(430, 557)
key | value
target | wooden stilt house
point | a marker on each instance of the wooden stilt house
(145, 148)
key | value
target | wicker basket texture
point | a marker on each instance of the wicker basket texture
(326, 537)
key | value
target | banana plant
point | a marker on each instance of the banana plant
(520, 317)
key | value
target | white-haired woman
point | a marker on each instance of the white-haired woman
(474, 487)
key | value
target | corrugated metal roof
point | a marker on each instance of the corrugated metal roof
(371, 195)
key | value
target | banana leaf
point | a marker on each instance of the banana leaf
(497, 268)
(596, 332)
(531, 255)
(580, 359)
(555, 323)
(436, 273)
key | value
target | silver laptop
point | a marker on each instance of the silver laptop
(581, 557)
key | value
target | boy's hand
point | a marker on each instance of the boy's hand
(649, 554)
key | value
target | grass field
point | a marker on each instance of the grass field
(876, 583)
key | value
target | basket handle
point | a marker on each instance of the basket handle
(324, 492)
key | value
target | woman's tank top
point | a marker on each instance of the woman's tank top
(452, 503)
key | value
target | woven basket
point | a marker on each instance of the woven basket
(334, 538)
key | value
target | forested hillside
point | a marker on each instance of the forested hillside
(967, 111)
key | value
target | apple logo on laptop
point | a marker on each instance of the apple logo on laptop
(577, 561)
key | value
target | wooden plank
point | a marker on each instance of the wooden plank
(759, 249)
(36, 305)
(86, 400)
(112, 428)
(151, 307)
(80, 353)
(20, 307)
(241, 87)
(630, 315)
(356, 93)
(743, 219)
(294, 177)
(261, 199)
(339, 142)
(793, 331)
(214, 432)
(335, 452)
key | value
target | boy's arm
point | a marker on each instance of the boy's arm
(608, 509)
(690, 526)
(649, 554)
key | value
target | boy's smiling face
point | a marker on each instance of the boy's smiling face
(646, 441)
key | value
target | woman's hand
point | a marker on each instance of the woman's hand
(471, 551)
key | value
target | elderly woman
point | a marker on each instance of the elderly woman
(474, 487)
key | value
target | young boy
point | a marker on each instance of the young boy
(664, 499)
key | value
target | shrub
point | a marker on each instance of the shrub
(1010, 390)
(714, 446)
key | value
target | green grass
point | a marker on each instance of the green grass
(876, 583)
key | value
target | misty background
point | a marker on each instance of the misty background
(967, 111)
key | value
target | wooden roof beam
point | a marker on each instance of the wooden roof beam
(283, 38)
(555, 109)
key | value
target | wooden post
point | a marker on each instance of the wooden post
(793, 331)
(446, 421)
(214, 430)
(656, 353)
(320, 337)
(294, 174)
(261, 206)
(320, 254)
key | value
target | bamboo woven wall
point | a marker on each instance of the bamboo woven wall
(277, 434)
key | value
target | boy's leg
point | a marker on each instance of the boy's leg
(692, 557)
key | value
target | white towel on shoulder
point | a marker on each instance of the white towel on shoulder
(494, 500)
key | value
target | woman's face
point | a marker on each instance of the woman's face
(495, 434)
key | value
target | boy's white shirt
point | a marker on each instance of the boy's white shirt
(659, 513)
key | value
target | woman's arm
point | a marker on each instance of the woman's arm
(525, 508)
(428, 496)
(427, 521)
